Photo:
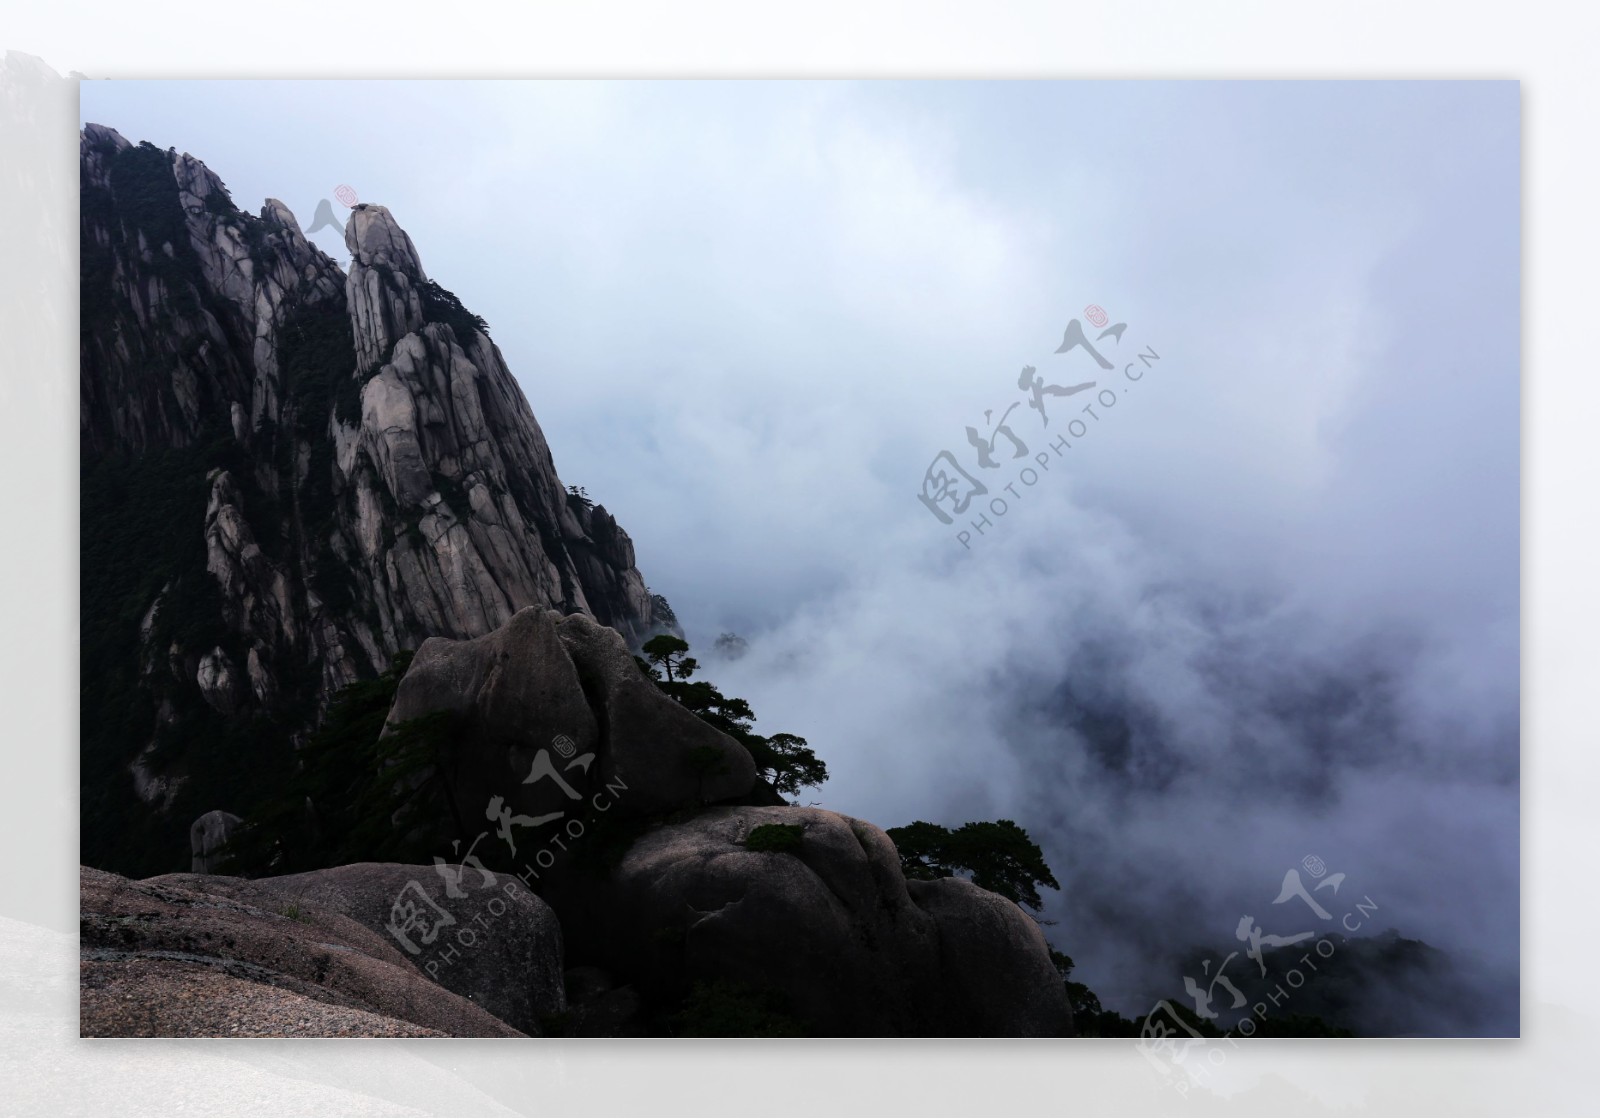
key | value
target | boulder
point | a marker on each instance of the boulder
(995, 961)
(206, 837)
(501, 948)
(218, 681)
(211, 956)
(519, 706)
(814, 915)
(552, 710)
(665, 756)
(374, 237)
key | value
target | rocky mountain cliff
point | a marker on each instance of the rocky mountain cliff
(289, 475)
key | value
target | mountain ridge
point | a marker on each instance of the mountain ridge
(290, 474)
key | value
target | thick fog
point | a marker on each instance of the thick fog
(1264, 607)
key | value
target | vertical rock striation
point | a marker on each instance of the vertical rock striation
(289, 474)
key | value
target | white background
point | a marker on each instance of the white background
(44, 1069)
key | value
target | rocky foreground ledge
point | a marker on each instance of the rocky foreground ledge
(830, 926)
(208, 956)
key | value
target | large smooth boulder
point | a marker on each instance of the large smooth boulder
(666, 756)
(502, 945)
(824, 923)
(517, 703)
(550, 710)
(211, 956)
(206, 838)
(995, 962)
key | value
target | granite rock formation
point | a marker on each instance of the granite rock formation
(290, 474)
(829, 926)
(553, 709)
(199, 956)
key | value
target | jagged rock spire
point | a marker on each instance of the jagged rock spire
(366, 471)
(374, 237)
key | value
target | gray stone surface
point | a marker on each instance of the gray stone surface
(374, 237)
(516, 692)
(206, 956)
(206, 836)
(829, 928)
(665, 756)
(503, 951)
(995, 962)
(543, 679)
(438, 509)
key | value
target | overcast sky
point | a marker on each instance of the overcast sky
(1265, 607)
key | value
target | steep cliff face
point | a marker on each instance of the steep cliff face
(289, 475)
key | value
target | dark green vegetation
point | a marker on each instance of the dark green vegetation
(142, 528)
(997, 855)
(1090, 1018)
(775, 837)
(441, 306)
(724, 1009)
(357, 795)
(784, 761)
(144, 197)
(316, 355)
(662, 610)
(140, 521)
